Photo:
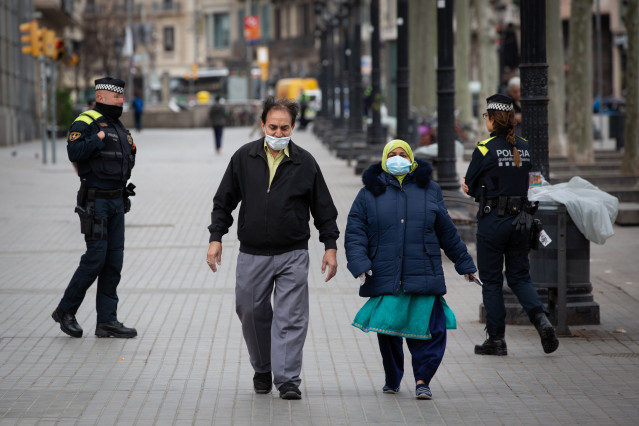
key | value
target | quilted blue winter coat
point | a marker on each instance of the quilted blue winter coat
(398, 231)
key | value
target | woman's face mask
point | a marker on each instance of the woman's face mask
(398, 165)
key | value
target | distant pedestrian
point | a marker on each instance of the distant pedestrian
(105, 154)
(217, 116)
(497, 177)
(514, 91)
(396, 228)
(138, 109)
(279, 186)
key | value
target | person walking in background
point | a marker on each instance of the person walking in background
(279, 185)
(217, 116)
(497, 177)
(396, 228)
(514, 91)
(138, 109)
(94, 139)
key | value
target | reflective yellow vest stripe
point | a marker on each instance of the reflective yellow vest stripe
(88, 116)
(481, 146)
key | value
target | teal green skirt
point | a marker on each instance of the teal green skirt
(405, 315)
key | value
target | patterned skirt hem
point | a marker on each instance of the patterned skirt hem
(392, 332)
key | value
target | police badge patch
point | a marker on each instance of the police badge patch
(130, 139)
(74, 135)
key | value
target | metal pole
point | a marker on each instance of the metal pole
(534, 82)
(403, 112)
(54, 118)
(249, 57)
(599, 71)
(43, 104)
(129, 25)
(355, 73)
(446, 171)
(375, 131)
(195, 48)
(344, 53)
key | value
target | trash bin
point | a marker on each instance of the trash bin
(569, 254)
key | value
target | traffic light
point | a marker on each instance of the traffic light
(32, 38)
(59, 51)
(48, 41)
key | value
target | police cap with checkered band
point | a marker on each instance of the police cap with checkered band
(500, 102)
(111, 84)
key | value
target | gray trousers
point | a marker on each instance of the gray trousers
(274, 334)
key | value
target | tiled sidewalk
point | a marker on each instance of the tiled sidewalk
(189, 364)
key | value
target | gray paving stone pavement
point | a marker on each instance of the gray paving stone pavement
(189, 366)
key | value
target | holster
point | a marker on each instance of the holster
(484, 208)
(128, 192)
(91, 227)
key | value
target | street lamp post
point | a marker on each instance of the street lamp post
(534, 78)
(376, 134)
(355, 75)
(446, 172)
(402, 71)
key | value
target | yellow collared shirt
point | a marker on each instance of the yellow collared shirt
(273, 163)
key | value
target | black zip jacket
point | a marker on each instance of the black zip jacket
(274, 221)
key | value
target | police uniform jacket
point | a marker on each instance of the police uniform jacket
(493, 165)
(398, 231)
(274, 220)
(106, 163)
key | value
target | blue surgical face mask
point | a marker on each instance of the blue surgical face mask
(398, 165)
(277, 144)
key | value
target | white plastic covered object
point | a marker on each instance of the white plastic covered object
(592, 210)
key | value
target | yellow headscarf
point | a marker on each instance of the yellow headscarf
(397, 143)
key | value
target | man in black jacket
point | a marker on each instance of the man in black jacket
(279, 185)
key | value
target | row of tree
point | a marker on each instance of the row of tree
(570, 106)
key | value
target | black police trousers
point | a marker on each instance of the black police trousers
(499, 242)
(102, 260)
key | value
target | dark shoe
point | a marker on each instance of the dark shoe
(423, 392)
(68, 323)
(546, 331)
(262, 382)
(114, 329)
(388, 389)
(290, 391)
(494, 345)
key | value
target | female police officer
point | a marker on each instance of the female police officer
(498, 178)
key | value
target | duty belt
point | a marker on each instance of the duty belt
(505, 205)
(94, 193)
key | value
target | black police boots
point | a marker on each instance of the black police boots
(67, 322)
(114, 329)
(494, 345)
(546, 331)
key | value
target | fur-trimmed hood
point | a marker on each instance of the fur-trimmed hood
(377, 185)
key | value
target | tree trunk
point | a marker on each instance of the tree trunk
(630, 161)
(488, 58)
(556, 80)
(463, 100)
(423, 56)
(580, 83)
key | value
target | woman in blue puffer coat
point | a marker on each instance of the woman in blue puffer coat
(396, 229)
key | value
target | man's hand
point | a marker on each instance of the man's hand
(329, 260)
(101, 135)
(214, 255)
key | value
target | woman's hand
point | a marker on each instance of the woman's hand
(362, 277)
(472, 277)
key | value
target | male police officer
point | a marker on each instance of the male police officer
(103, 153)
